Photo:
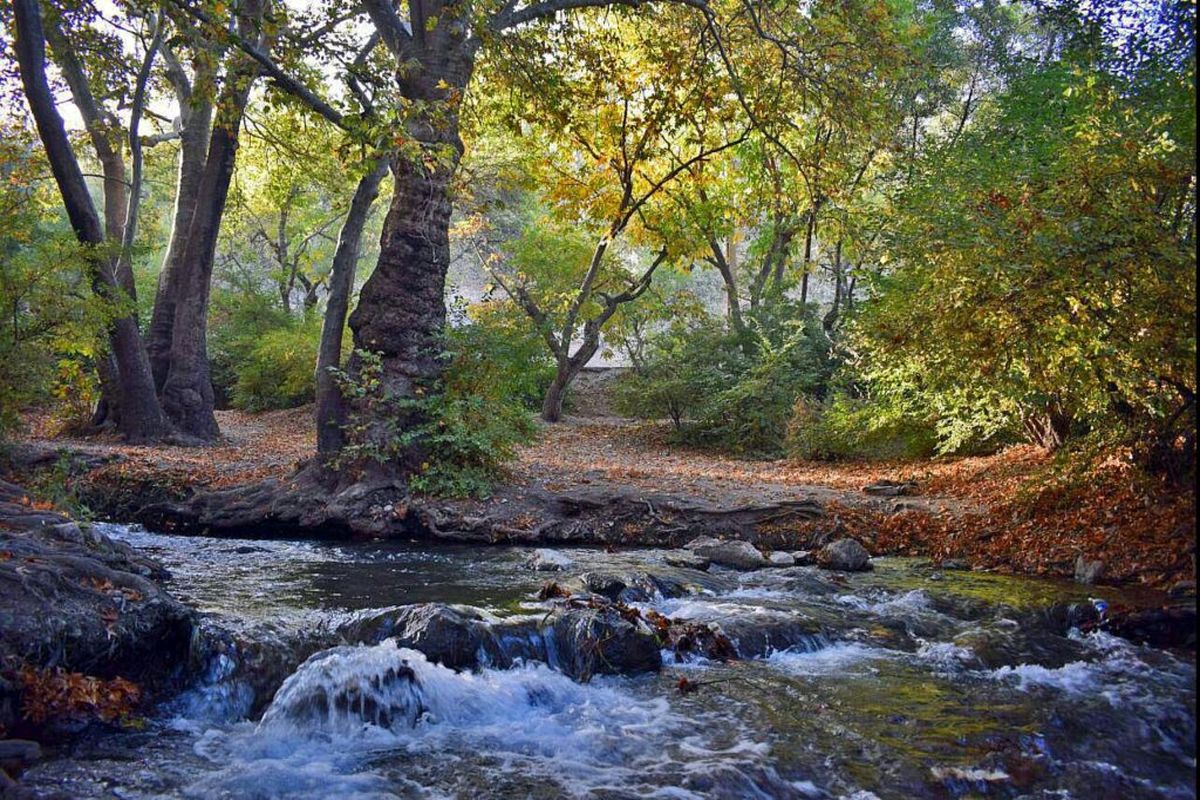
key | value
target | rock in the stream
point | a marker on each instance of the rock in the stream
(685, 559)
(580, 642)
(802, 558)
(781, 559)
(603, 584)
(71, 597)
(546, 560)
(1088, 572)
(735, 554)
(844, 555)
(16, 754)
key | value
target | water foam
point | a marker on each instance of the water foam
(333, 718)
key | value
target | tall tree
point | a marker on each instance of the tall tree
(142, 417)
(187, 393)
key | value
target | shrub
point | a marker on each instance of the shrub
(468, 424)
(847, 428)
(729, 391)
(279, 370)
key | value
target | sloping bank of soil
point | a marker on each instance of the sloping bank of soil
(610, 481)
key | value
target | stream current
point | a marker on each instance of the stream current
(920, 684)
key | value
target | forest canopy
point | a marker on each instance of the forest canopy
(827, 230)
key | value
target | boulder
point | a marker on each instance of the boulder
(603, 584)
(802, 558)
(546, 560)
(844, 555)
(781, 559)
(74, 598)
(735, 554)
(685, 559)
(1088, 572)
(16, 754)
(577, 641)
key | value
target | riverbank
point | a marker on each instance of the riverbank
(613, 481)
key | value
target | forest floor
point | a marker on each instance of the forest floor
(1015, 511)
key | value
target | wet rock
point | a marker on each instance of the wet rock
(735, 554)
(954, 564)
(603, 584)
(803, 558)
(1169, 627)
(16, 754)
(685, 559)
(780, 559)
(72, 597)
(758, 635)
(844, 555)
(1088, 572)
(891, 488)
(589, 642)
(1182, 589)
(445, 635)
(546, 560)
(579, 642)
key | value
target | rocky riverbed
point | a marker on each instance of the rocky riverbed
(382, 670)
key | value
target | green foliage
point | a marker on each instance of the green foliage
(466, 427)
(51, 321)
(278, 370)
(502, 354)
(848, 428)
(1044, 267)
(727, 391)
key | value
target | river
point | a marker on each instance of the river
(916, 683)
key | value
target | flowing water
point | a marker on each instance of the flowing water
(914, 684)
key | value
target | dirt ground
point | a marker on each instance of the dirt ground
(1013, 511)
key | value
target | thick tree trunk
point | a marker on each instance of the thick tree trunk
(187, 393)
(141, 418)
(401, 315)
(193, 147)
(331, 408)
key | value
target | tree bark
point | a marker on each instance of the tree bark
(142, 417)
(187, 393)
(331, 409)
(196, 114)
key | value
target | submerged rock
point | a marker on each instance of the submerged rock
(685, 559)
(735, 554)
(844, 555)
(546, 560)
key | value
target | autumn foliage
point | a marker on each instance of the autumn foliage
(57, 696)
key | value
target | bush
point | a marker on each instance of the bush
(279, 369)
(848, 428)
(501, 355)
(468, 424)
(727, 391)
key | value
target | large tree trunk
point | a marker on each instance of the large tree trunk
(187, 393)
(401, 313)
(142, 418)
(331, 409)
(193, 146)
